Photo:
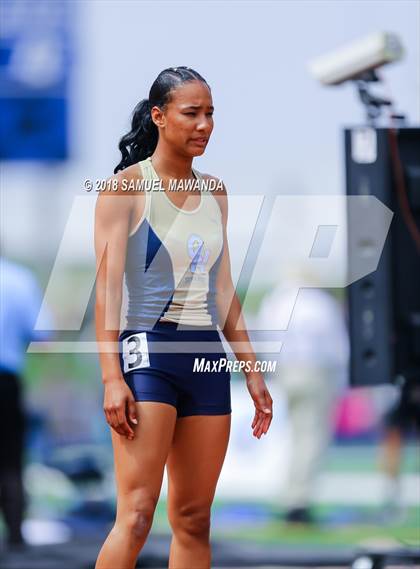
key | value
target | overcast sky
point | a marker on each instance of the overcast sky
(275, 126)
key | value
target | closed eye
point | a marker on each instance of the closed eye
(193, 114)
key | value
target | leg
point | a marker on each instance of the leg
(12, 423)
(139, 467)
(396, 424)
(194, 464)
(12, 503)
(310, 420)
(391, 451)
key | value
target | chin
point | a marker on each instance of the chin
(198, 152)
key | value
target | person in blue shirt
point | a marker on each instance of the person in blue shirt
(20, 302)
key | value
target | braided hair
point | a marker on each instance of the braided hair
(141, 141)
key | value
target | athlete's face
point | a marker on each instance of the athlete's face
(187, 121)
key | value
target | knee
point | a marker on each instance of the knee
(192, 521)
(139, 522)
(138, 516)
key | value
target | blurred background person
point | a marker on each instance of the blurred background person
(312, 372)
(20, 301)
(400, 423)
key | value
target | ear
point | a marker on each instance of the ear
(158, 117)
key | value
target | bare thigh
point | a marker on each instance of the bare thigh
(194, 464)
(139, 464)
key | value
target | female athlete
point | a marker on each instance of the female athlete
(172, 248)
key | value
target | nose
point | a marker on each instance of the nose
(204, 124)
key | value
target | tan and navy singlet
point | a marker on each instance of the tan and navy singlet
(173, 256)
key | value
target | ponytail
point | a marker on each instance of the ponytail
(141, 141)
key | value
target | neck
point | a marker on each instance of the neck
(169, 164)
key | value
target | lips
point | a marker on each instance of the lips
(200, 140)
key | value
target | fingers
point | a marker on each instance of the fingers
(112, 420)
(132, 411)
(263, 414)
(259, 419)
(263, 405)
(116, 418)
(262, 399)
(259, 424)
(266, 423)
(123, 424)
(254, 422)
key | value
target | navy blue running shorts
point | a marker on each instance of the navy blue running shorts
(157, 367)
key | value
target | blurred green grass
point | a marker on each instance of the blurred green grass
(338, 525)
(368, 526)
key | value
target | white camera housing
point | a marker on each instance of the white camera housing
(352, 60)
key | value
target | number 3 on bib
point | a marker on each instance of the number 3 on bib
(135, 352)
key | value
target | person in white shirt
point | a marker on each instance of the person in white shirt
(312, 371)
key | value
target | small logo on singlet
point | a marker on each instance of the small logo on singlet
(198, 253)
(135, 352)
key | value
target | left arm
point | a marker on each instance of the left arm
(234, 329)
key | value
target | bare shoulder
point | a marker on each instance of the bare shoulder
(109, 203)
(220, 193)
(127, 179)
(123, 183)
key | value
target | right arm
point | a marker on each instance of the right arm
(112, 220)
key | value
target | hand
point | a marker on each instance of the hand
(120, 407)
(263, 405)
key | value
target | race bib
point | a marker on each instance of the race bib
(135, 352)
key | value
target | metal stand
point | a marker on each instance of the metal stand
(373, 104)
